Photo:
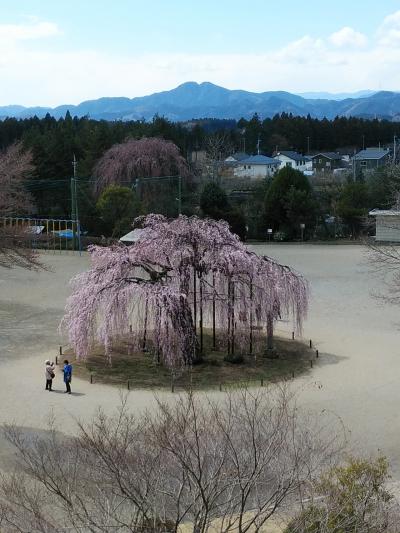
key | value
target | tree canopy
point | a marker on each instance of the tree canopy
(289, 201)
(214, 203)
(117, 207)
(182, 276)
(144, 158)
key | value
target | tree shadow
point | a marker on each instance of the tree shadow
(325, 358)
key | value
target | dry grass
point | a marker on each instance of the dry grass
(292, 357)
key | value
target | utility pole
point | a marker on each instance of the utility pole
(308, 145)
(354, 165)
(394, 149)
(73, 189)
(74, 203)
(363, 137)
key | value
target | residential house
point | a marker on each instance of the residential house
(294, 160)
(256, 167)
(327, 162)
(371, 158)
(237, 156)
(387, 225)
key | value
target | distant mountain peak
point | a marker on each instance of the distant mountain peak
(193, 100)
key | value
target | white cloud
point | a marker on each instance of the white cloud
(389, 31)
(22, 32)
(348, 37)
(304, 50)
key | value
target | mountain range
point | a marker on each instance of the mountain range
(205, 100)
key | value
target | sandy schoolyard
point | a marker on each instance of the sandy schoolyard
(357, 376)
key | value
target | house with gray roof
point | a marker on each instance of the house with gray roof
(327, 161)
(256, 167)
(293, 159)
(237, 156)
(371, 158)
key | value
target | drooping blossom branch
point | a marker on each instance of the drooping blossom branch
(15, 165)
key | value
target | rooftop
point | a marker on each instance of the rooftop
(385, 212)
(292, 155)
(328, 155)
(239, 156)
(260, 160)
(371, 153)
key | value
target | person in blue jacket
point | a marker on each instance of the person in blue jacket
(67, 376)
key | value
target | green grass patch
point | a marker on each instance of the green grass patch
(291, 357)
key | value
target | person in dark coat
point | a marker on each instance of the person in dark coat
(67, 376)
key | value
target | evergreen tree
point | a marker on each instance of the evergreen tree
(290, 202)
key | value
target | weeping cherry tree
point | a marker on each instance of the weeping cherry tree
(182, 279)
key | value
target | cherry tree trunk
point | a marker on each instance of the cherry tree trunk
(213, 315)
(145, 326)
(270, 332)
(251, 320)
(201, 315)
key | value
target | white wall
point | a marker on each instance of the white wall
(388, 228)
(297, 165)
(255, 171)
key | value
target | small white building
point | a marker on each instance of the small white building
(387, 224)
(132, 237)
(256, 167)
(294, 160)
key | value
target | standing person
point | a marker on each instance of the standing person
(67, 376)
(50, 374)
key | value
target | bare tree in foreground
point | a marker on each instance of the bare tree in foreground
(15, 242)
(384, 260)
(227, 466)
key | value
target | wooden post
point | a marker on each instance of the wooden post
(317, 353)
(130, 328)
(292, 335)
(91, 378)
(310, 343)
(57, 360)
(262, 382)
(311, 363)
(220, 387)
(61, 350)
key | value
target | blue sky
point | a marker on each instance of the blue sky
(54, 52)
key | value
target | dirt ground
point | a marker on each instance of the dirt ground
(357, 376)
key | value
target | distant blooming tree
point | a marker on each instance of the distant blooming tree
(142, 158)
(183, 277)
(15, 166)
